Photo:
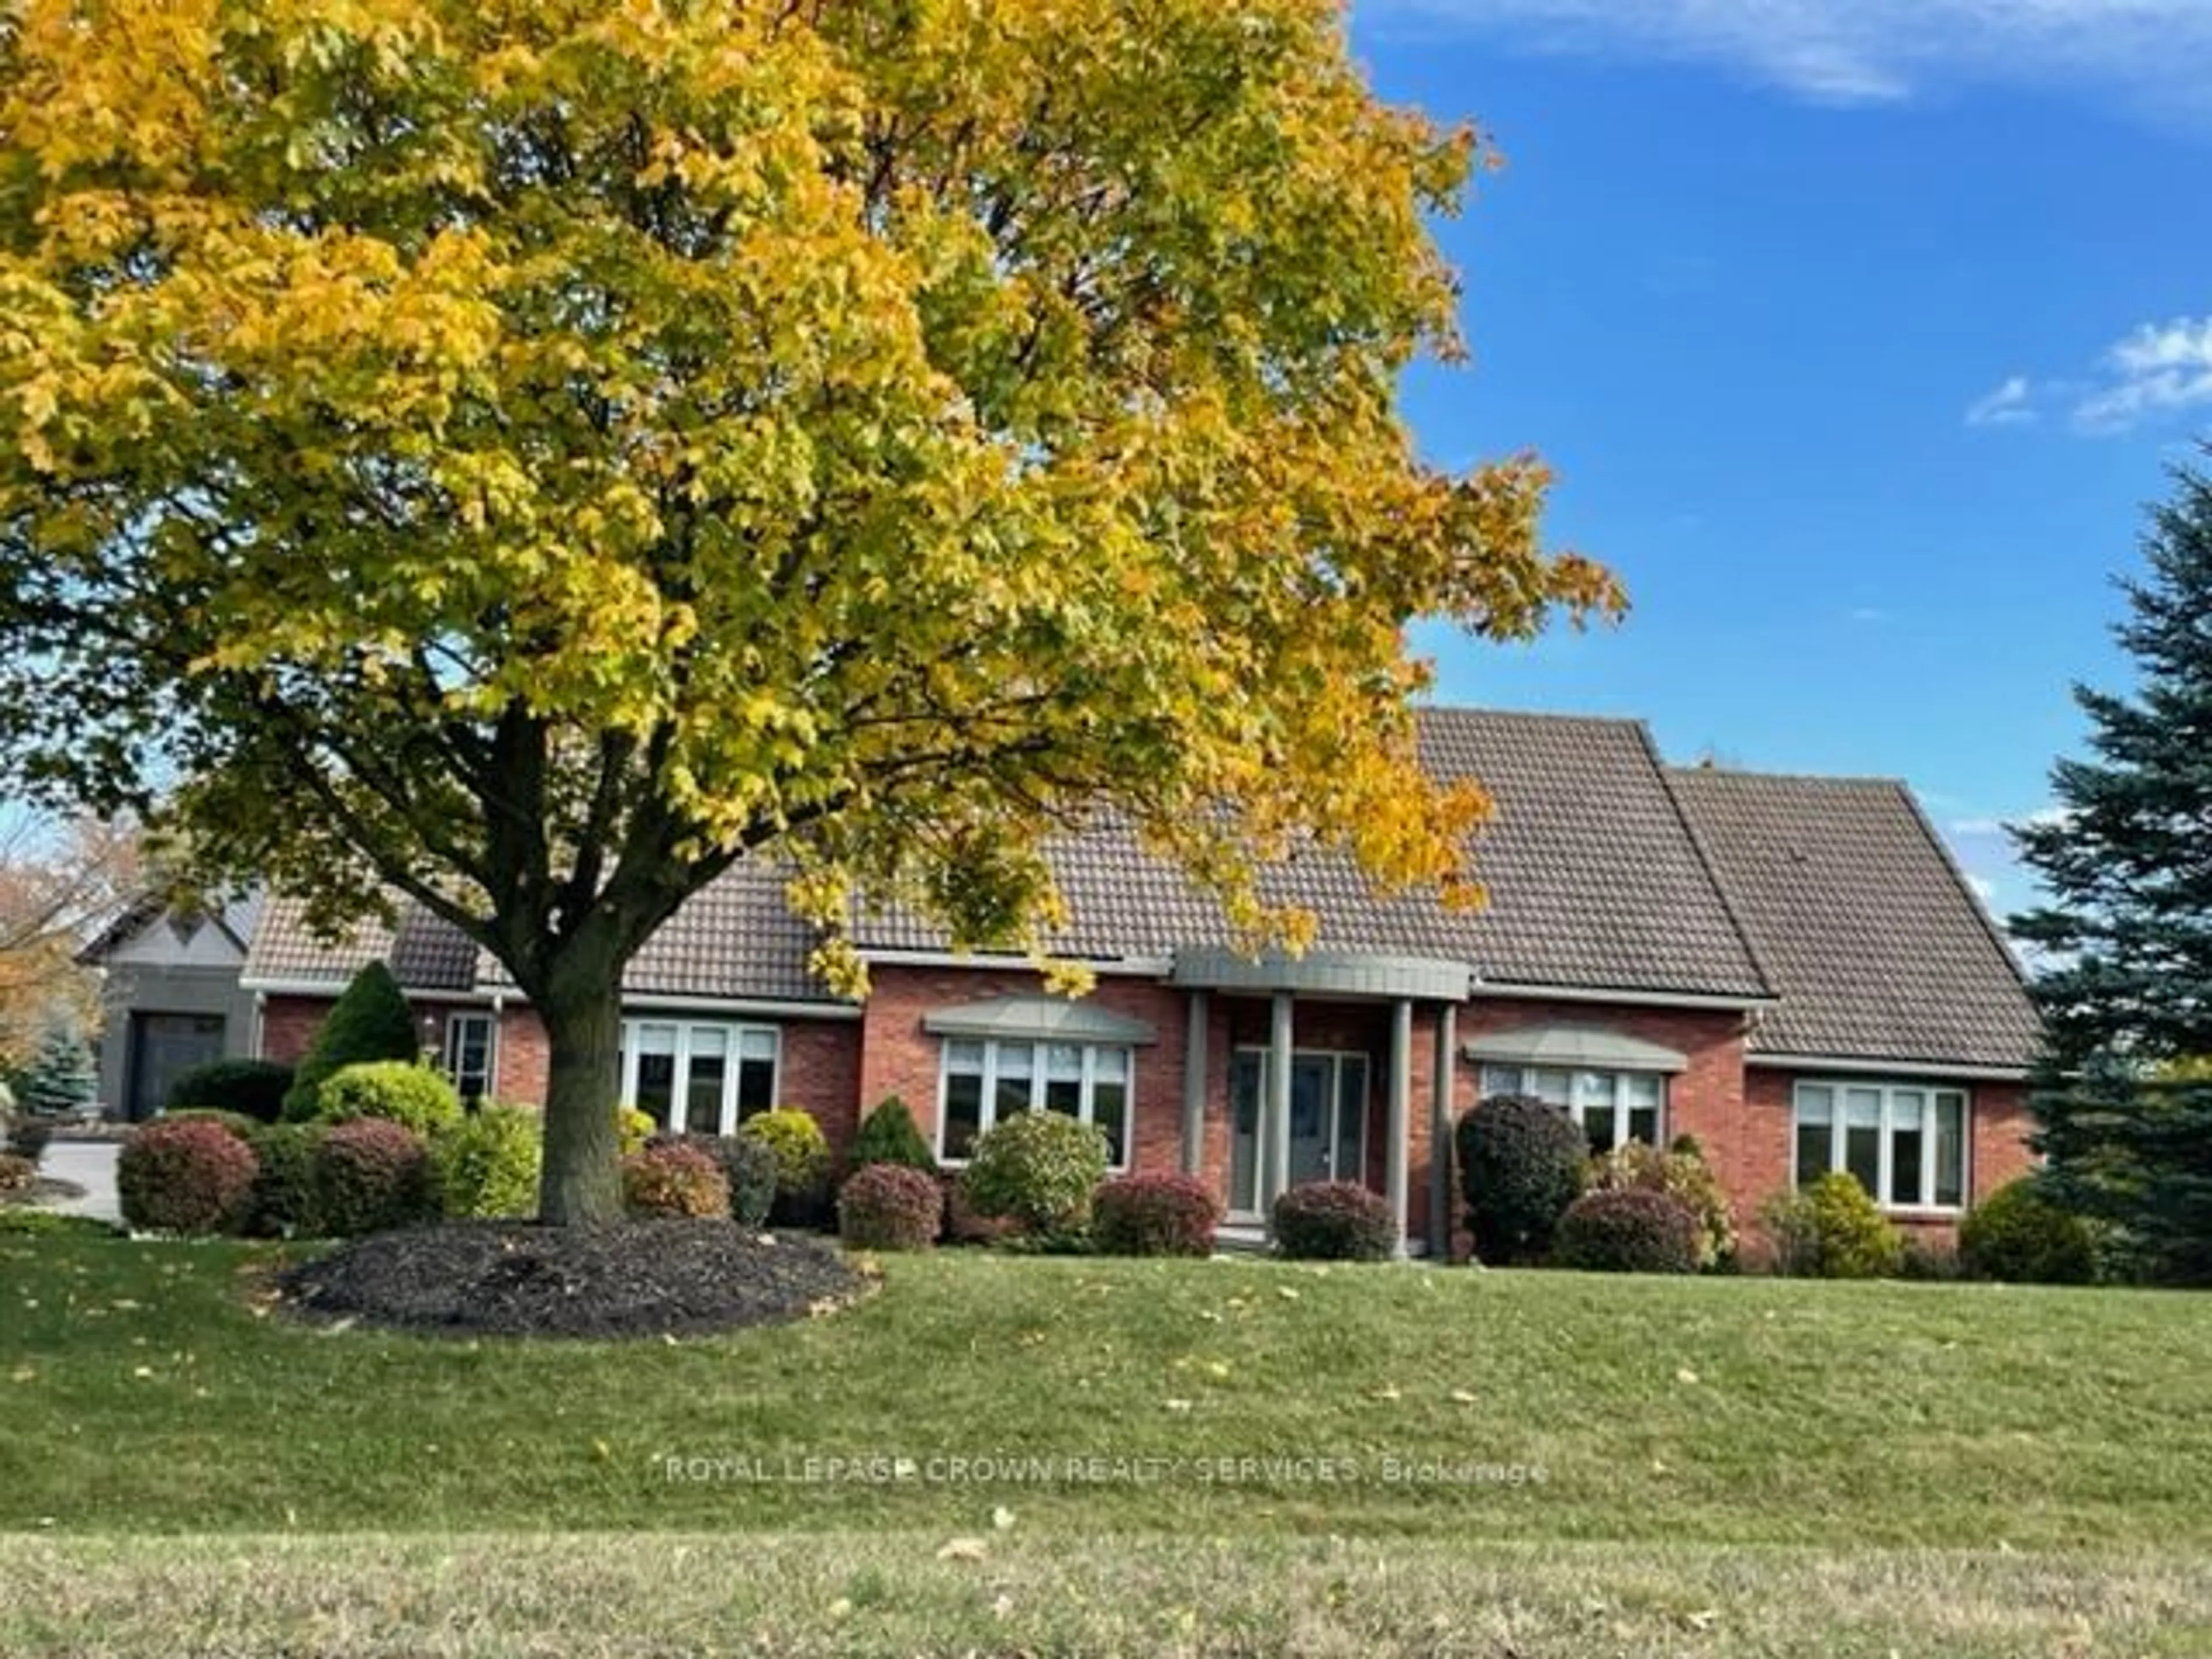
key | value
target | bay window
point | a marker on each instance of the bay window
(986, 1081)
(1905, 1142)
(1612, 1108)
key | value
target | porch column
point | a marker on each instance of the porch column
(1440, 1135)
(1194, 1087)
(1401, 1117)
(1277, 1136)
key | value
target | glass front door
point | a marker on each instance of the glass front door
(1329, 1123)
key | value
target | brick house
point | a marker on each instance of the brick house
(1792, 970)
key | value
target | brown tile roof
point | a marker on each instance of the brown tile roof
(425, 953)
(1594, 881)
(1879, 948)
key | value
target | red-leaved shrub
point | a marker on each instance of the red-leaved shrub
(372, 1174)
(184, 1177)
(1334, 1221)
(669, 1178)
(1154, 1215)
(1628, 1230)
(890, 1206)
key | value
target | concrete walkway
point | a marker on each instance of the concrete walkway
(91, 1165)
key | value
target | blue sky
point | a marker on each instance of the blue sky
(1858, 332)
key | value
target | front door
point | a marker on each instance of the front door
(1329, 1123)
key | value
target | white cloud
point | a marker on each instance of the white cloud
(1866, 615)
(1984, 889)
(1994, 826)
(2161, 368)
(1870, 52)
(2010, 404)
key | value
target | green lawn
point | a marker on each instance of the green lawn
(1713, 1436)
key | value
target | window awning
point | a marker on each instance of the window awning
(1574, 1048)
(1037, 1019)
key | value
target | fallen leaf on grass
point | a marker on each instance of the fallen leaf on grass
(1002, 1517)
(1685, 1374)
(1462, 1396)
(1289, 1293)
(1178, 1405)
(964, 1549)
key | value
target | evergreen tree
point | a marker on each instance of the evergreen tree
(60, 1078)
(369, 1021)
(2126, 990)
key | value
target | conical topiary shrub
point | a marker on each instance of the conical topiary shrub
(370, 1021)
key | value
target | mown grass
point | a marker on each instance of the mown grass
(142, 1388)
(783, 1597)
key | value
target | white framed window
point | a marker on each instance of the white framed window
(985, 1080)
(468, 1039)
(701, 1077)
(1906, 1142)
(1614, 1107)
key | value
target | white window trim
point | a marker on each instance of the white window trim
(1888, 1086)
(987, 1109)
(1622, 1107)
(452, 1068)
(734, 1034)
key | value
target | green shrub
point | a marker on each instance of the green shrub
(17, 1172)
(45, 1224)
(963, 1223)
(1628, 1230)
(802, 1163)
(633, 1128)
(1040, 1167)
(2017, 1234)
(253, 1088)
(372, 1174)
(888, 1135)
(748, 1163)
(890, 1207)
(283, 1204)
(402, 1092)
(1682, 1173)
(370, 1021)
(237, 1123)
(488, 1163)
(1832, 1230)
(1520, 1164)
(1155, 1215)
(1930, 1261)
(184, 1177)
(28, 1138)
(1334, 1221)
(674, 1180)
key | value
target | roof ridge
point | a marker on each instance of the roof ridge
(1754, 775)
(1490, 712)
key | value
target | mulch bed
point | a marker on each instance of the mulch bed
(42, 1191)
(625, 1278)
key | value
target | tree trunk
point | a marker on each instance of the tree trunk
(582, 1182)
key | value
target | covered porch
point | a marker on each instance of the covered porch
(1309, 1068)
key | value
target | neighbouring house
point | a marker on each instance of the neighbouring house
(1792, 970)
(173, 995)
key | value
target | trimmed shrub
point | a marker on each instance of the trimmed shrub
(1832, 1230)
(402, 1092)
(1628, 1230)
(1520, 1164)
(1682, 1173)
(488, 1163)
(674, 1180)
(16, 1173)
(372, 1174)
(963, 1223)
(888, 1135)
(237, 1123)
(184, 1177)
(633, 1128)
(370, 1021)
(28, 1138)
(747, 1163)
(890, 1207)
(1930, 1261)
(1040, 1167)
(1333, 1221)
(2019, 1235)
(802, 1163)
(253, 1088)
(282, 1204)
(1155, 1215)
